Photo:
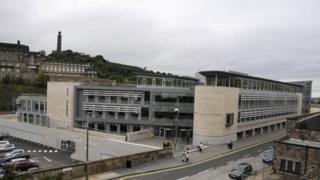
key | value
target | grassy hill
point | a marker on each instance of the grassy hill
(105, 69)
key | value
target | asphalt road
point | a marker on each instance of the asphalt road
(215, 163)
(46, 156)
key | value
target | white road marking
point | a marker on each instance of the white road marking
(183, 178)
(203, 171)
(49, 160)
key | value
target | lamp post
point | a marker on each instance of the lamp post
(87, 147)
(176, 115)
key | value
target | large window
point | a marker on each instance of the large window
(229, 119)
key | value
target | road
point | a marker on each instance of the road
(207, 167)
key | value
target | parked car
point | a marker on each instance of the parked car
(25, 165)
(268, 157)
(7, 147)
(4, 143)
(2, 172)
(17, 153)
(12, 161)
(241, 170)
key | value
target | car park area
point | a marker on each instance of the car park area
(45, 157)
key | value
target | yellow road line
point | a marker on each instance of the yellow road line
(199, 162)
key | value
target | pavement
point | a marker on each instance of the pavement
(196, 157)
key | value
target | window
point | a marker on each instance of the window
(298, 168)
(90, 98)
(289, 167)
(282, 165)
(229, 119)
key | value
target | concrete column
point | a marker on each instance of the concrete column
(139, 115)
(39, 104)
(130, 128)
(27, 118)
(126, 116)
(118, 128)
(107, 127)
(31, 108)
(116, 115)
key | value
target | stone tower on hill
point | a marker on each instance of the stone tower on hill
(59, 41)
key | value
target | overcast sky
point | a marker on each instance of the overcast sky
(277, 39)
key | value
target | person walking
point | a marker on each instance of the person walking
(200, 147)
(187, 156)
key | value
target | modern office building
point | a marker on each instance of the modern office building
(150, 103)
(161, 102)
(297, 155)
(32, 109)
(232, 106)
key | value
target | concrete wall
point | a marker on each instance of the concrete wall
(101, 166)
(211, 106)
(60, 103)
(139, 135)
(101, 146)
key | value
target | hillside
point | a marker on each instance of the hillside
(105, 69)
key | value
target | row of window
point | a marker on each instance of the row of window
(246, 83)
(137, 100)
(67, 69)
(290, 166)
(168, 82)
(253, 104)
(32, 106)
(254, 118)
(144, 115)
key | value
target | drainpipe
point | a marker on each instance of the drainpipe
(306, 160)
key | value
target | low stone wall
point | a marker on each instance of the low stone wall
(96, 167)
(139, 135)
(101, 146)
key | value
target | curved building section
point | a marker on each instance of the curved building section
(232, 106)
(214, 114)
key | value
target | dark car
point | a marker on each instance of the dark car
(17, 153)
(25, 165)
(268, 157)
(241, 170)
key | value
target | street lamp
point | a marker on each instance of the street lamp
(87, 149)
(176, 116)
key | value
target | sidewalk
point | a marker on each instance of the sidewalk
(209, 152)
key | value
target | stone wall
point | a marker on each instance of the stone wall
(101, 145)
(101, 166)
(308, 156)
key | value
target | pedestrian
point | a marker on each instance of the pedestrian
(164, 145)
(200, 147)
(187, 156)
